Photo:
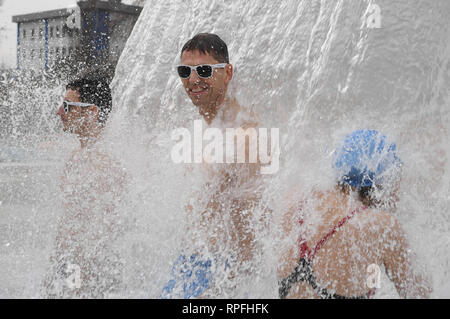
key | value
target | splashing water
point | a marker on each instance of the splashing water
(315, 69)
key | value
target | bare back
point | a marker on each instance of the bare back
(368, 238)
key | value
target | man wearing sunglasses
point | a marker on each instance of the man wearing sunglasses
(86, 105)
(84, 263)
(205, 72)
(222, 243)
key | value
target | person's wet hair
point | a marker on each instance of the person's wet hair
(208, 43)
(365, 196)
(95, 91)
(365, 193)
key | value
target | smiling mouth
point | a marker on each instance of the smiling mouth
(197, 92)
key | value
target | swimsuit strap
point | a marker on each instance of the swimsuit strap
(304, 269)
(335, 228)
(304, 272)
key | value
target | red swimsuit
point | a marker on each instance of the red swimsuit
(304, 270)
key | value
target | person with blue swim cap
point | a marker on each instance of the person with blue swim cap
(346, 235)
(367, 161)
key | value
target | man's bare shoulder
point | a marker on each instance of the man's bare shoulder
(74, 154)
(103, 160)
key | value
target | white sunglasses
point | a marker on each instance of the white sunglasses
(68, 104)
(204, 71)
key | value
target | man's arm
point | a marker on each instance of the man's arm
(239, 193)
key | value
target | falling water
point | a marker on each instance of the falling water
(316, 70)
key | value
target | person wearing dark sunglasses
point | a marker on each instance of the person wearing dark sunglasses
(223, 240)
(206, 72)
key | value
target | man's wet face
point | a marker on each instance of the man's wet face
(206, 94)
(72, 120)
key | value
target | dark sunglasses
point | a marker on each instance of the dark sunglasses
(204, 71)
(68, 104)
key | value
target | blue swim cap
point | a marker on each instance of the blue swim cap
(366, 158)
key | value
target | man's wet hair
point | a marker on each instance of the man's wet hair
(208, 43)
(95, 91)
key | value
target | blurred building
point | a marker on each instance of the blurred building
(91, 33)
